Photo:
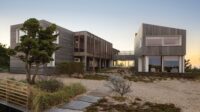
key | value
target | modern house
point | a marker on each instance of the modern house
(157, 49)
(160, 49)
(82, 46)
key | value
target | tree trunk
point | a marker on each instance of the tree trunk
(27, 72)
(35, 74)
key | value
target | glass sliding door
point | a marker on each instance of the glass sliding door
(171, 64)
(155, 64)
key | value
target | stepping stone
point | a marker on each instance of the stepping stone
(98, 94)
(76, 105)
(62, 110)
(89, 98)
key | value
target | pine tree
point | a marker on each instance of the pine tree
(36, 47)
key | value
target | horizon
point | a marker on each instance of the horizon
(114, 20)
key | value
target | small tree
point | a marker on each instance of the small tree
(119, 85)
(4, 58)
(36, 47)
(188, 65)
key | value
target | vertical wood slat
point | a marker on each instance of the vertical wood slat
(14, 92)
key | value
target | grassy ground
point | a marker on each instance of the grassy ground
(146, 78)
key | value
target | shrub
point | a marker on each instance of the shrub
(119, 98)
(70, 68)
(119, 85)
(95, 77)
(43, 100)
(50, 85)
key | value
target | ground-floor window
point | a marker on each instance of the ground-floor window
(155, 64)
(171, 64)
(123, 63)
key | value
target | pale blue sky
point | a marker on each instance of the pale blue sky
(113, 20)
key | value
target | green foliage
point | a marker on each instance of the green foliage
(152, 77)
(70, 68)
(12, 78)
(195, 70)
(95, 77)
(188, 65)
(50, 85)
(36, 46)
(4, 58)
(44, 100)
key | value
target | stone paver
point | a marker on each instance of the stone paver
(62, 110)
(81, 102)
(76, 105)
(89, 98)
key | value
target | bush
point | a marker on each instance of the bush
(95, 77)
(50, 85)
(43, 100)
(119, 85)
(70, 68)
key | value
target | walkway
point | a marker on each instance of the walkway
(81, 102)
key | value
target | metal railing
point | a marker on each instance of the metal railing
(14, 92)
(126, 53)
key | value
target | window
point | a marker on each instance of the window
(164, 41)
(77, 60)
(57, 39)
(155, 64)
(172, 41)
(76, 42)
(19, 33)
(52, 63)
(171, 64)
(153, 41)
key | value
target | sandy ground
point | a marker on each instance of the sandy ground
(184, 94)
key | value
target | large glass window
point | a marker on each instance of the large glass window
(171, 64)
(155, 64)
(164, 41)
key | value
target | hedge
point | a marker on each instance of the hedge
(70, 68)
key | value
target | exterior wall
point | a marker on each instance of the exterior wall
(16, 65)
(65, 53)
(153, 30)
(141, 50)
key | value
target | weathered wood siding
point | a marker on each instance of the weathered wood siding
(153, 30)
